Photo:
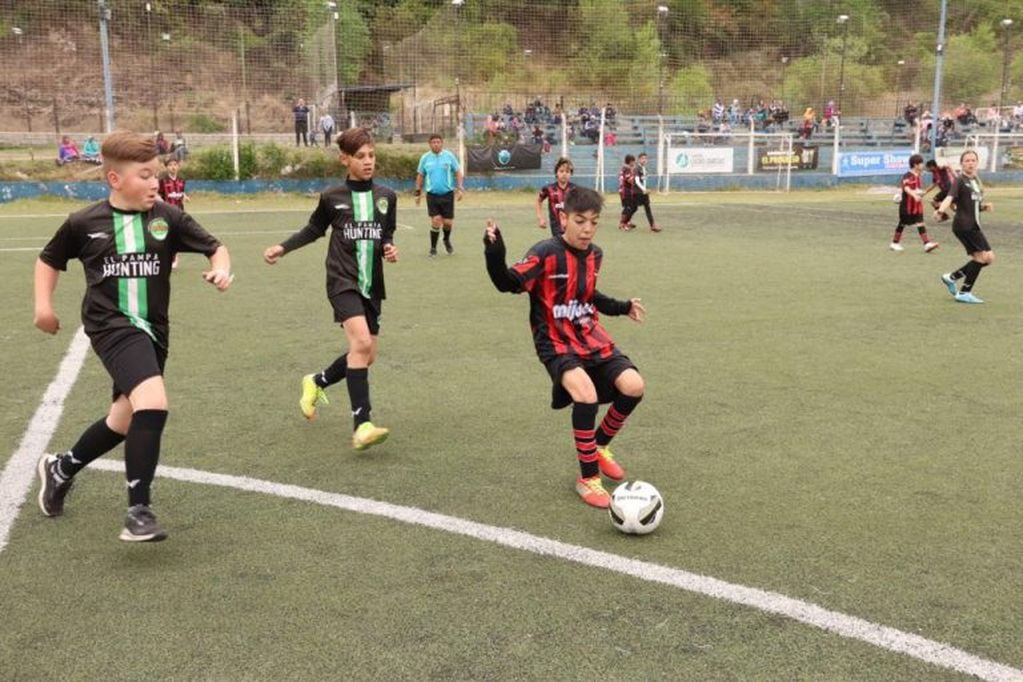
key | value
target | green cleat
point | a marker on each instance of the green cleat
(368, 435)
(312, 394)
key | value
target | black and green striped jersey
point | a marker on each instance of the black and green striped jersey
(127, 260)
(361, 216)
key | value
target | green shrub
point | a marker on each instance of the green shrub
(212, 163)
(204, 123)
(247, 165)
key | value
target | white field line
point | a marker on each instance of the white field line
(20, 470)
(16, 478)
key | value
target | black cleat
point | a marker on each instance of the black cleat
(52, 490)
(450, 249)
(140, 525)
(433, 253)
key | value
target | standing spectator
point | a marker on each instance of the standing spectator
(717, 113)
(440, 171)
(327, 127)
(992, 116)
(829, 114)
(968, 196)
(735, 112)
(491, 127)
(179, 149)
(301, 114)
(67, 151)
(809, 123)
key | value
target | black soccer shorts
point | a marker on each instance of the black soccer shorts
(349, 304)
(130, 356)
(602, 371)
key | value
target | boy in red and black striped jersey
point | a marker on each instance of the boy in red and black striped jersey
(911, 206)
(360, 215)
(172, 191)
(942, 178)
(125, 244)
(555, 194)
(560, 275)
(627, 192)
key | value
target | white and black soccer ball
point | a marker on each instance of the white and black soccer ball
(636, 508)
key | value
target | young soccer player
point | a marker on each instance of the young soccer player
(942, 177)
(172, 191)
(442, 175)
(967, 194)
(555, 194)
(560, 275)
(911, 207)
(627, 192)
(126, 244)
(642, 194)
(361, 217)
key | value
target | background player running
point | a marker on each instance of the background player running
(126, 244)
(911, 207)
(942, 178)
(560, 276)
(361, 217)
(555, 194)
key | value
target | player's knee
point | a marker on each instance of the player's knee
(436, 222)
(583, 394)
(631, 384)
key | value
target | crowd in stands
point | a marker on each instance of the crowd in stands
(538, 123)
(956, 123)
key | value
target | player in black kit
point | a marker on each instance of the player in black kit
(126, 244)
(967, 194)
(361, 217)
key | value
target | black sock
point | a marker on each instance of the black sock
(897, 237)
(358, 392)
(333, 374)
(584, 419)
(447, 236)
(434, 236)
(613, 421)
(971, 276)
(95, 441)
(142, 453)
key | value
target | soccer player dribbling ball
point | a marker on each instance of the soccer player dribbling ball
(967, 194)
(586, 368)
(361, 217)
(126, 244)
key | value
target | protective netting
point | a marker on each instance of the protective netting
(406, 66)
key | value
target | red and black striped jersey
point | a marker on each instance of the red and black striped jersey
(172, 190)
(910, 205)
(555, 196)
(564, 302)
(943, 177)
(626, 182)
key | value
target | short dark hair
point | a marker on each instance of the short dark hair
(563, 162)
(915, 159)
(642, 154)
(435, 136)
(352, 140)
(629, 158)
(583, 199)
(931, 164)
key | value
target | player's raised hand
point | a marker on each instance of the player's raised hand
(221, 279)
(637, 311)
(47, 321)
(542, 223)
(493, 231)
(273, 253)
(390, 253)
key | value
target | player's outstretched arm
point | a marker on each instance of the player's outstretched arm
(637, 311)
(219, 274)
(941, 212)
(45, 282)
(606, 305)
(494, 252)
(272, 254)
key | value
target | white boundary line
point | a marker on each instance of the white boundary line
(17, 476)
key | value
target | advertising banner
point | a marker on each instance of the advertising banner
(801, 158)
(503, 158)
(880, 162)
(700, 160)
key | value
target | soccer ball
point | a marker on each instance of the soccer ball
(636, 508)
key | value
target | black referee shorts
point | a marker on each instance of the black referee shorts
(602, 371)
(973, 240)
(350, 304)
(441, 204)
(130, 356)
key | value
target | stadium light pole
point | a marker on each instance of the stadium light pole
(784, 63)
(1007, 25)
(843, 20)
(898, 86)
(662, 13)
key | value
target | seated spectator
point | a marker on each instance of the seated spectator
(961, 113)
(179, 149)
(162, 146)
(809, 123)
(67, 151)
(609, 112)
(610, 138)
(734, 112)
(90, 150)
(991, 115)
(829, 113)
(717, 113)
(910, 113)
(537, 135)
